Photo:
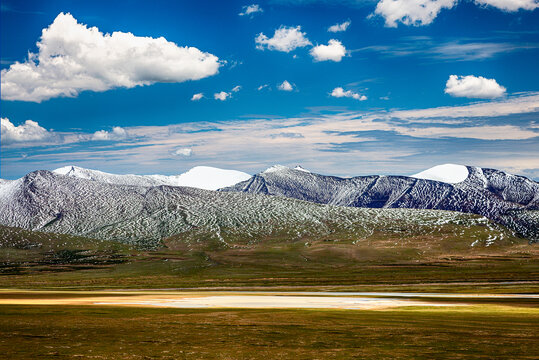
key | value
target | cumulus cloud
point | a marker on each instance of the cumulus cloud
(339, 92)
(285, 86)
(223, 95)
(473, 87)
(250, 10)
(510, 5)
(27, 132)
(236, 88)
(284, 39)
(197, 97)
(333, 51)
(411, 12)
(339, 27)
(183, 152)
(262, 87)
(73, 58)
(117, 133)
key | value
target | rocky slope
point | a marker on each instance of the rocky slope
(142, 215)
(504, 198)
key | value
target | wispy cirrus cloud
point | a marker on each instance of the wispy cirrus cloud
(336, 142)
(510, 5)
(452, 50)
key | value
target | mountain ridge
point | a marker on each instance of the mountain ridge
(488, 192)
(44, 201)
(203, 177)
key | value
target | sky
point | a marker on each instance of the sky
(342, 88)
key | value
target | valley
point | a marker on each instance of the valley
(150, 270)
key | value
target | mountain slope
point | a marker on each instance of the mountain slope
(508, 199)
(202, 177)
(140, 215)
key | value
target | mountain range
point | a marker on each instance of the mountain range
(508, 199)
(144, 210)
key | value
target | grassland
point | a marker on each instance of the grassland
(384, 261)
(476, 332)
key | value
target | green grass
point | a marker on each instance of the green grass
(477, 332)
(386, 260)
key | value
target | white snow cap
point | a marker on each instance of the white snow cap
(209, 178)
(301, 169)
(275, 168)
(202, 177)
(447, 173)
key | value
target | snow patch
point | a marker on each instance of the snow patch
(301, 169)
(205, 177)
(275, 168)
(447, 173)
(202, 177)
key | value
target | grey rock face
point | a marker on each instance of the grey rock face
(141, 215)
(504, 198)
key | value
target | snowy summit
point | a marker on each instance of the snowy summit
(202, 177)
(206, 177)
(447, 173)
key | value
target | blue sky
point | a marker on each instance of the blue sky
(400, 89)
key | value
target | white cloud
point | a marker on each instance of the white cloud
(261, 87)
(197, 97)
(73, 58)
(485, 132)
(27, 132)
(339, 92)
(286, 86)
(223, 95)
(516, 105)
(473, 87)
(334, 51)
(289, 135)
(339, 27)
(183, 152)
(411, 12)
(451, 50)
(284, 39)
(510, 5)
(250, 10)
(259, 142)
(117, 133)
(236, 88)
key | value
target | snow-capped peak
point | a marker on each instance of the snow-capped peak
(447, 173)
(202, 177)
(301, 169)
(275, 168)
(79, 172)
